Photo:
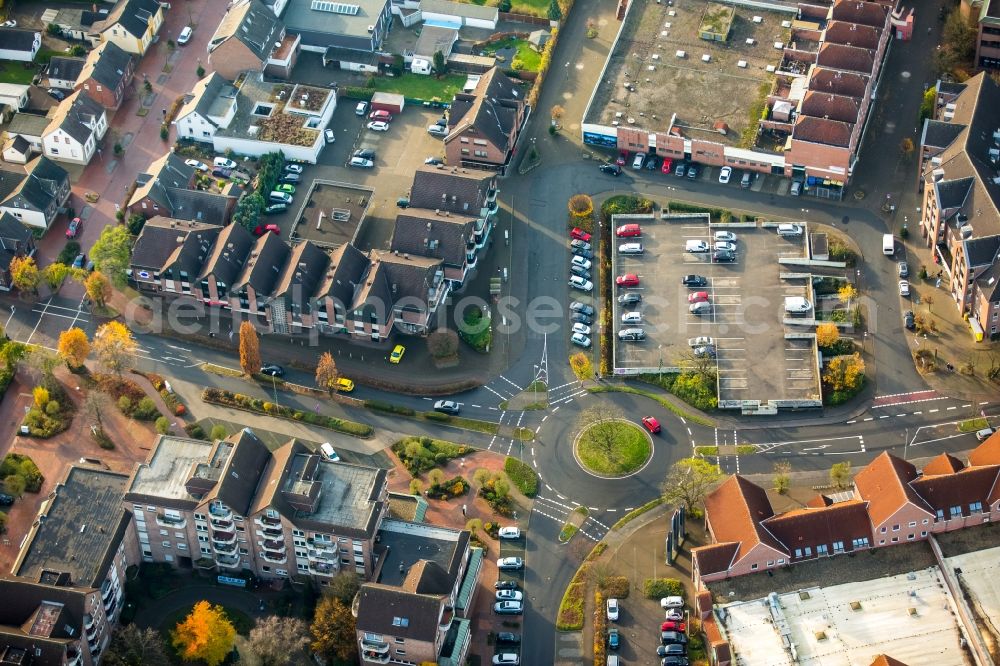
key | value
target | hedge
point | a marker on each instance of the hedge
(16, 464)
(657, 588)
(600, 629)
(382, 406)
(570, 617)
(522, 476)
(246, 403)
(422, 454)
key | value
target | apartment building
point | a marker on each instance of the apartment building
(986, 15)
(67, 586)
(417, 609)
(891, 502)
(484, 124)
(233, 505)
(960, 216)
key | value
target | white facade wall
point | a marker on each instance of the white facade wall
(255, 148)
(14, 95)
(196, 127)
(65, 84)
(33, 218)
(23, 56)
(60, 146)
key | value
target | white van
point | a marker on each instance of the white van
(888, 245)
(327, 450)
(632, 318)
(630, 248)
(797, 305)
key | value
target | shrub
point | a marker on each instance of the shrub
(453, 487)
(522, 476)
(616, 586)
(437, 416)
(52, 408)
(180, 410)
(246, 403)
(16, 464)
(657, 588)
(125, 404)
(195, 431)
(422, 454)
(162, 425)
(68, 253)
(622, 204)
(570, 617)
(600, 627)
(383, 406)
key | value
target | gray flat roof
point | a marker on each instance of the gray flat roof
(407, 543)
(299, 16)
(345, 494)
(76, 527)
(169, 468)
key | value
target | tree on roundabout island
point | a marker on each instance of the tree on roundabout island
(609, 445)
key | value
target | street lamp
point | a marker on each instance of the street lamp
(906, 442)
(660, 371)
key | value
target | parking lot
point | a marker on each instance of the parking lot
(753, 358)
(510, 548)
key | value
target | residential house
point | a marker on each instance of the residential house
(132, 25)
(334, 297)
(223, 267)
(78, 124)
(68, 583)
(457, 190)
(16, 240)
(212, 105)
(106, 74)
(19, 45)
(417, 611)
(172, 188)
(440, 234)
(247, 38)
(17, 150)
(891, 502)
(291, 297)
(167, 246)
(30, 127)
(15, 95)
(233, 505)
(255, 117)
(960, 216)
(35, 196)
(484, 125)
(415, 287)
(350, 34)
(433, 39)
(251, 290)
(63, 72)
(77, 23)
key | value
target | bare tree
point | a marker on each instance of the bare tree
(603, 426)
(703, 365)
(278, 641)
(94, 403)
(132, 646)
(689, 481)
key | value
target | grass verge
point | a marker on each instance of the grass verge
(254, 405)
(972, 425)
(613, 449)
(638, 511)
(522, 476)
(694, 418)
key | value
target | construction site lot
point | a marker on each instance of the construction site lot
(646, 81)
(908, 616)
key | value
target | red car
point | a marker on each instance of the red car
(262, 229)
(580, 234)
(621, 159)
(74, 227)
(628, 230)
(698, 297)
(672, 625)
(651, 424)
(380, 114)
(668, 166)
(627, 280)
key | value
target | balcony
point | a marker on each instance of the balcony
(92, 628)
(225, 548)
(222, 524)
(323, 568)
(273, 545)
(491, 197)
(376, 647)
(271, 532)
(373, 657)
(224, 537)
(446, 618)
(173, 522)
(228, 561)
(321, 544)
(108, 589)
(73, 655)
(274, 558)
(322, 556)
(264, 521)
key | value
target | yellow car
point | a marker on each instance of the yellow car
(345, 385)
(397, 354)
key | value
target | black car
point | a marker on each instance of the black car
(273, 370)
(508, 638)
(630, 298)
(56, 93)
(274, 209)
(909, 321)
(6, 500)
(673, 638)
(506, 585)
(692, 171)
(612, 169)
(674, 661)
(723, 256)
(672, 650)
(694, 280)
(366, 153)
(579, 317)
(577, 306)
(447, 407)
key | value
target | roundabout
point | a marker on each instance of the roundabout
(612, 448)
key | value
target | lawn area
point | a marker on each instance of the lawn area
(613, 448)
(12, 71)
(529, 57)
(530, 7)
(417, 86)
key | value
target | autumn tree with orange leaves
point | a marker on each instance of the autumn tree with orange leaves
(73, 347)
(249, 349)
(206, 634)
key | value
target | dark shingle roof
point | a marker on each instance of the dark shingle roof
(490, 108)
(263, 267)
(390, 610)
(989, 283)
(38, 187)
(981, 251)
(451, 188)
(939, 134)
(12, 232)
(166, 240)
(952, 193)
(850, 58)
(304, 270)
(14, 39)
(253, 24)
(66, 69)
(229, 254)
(408, 276)
(133, 15)
(346, 271)
(446, 237)
(241, 473)
(850, 84)
(76, 114)
(831, 106)
(107, 64)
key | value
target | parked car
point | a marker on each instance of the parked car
(581, 318)
(628, 230)
(380, 114)
(508, 638)
(675, 614)
(506, 658)
(361, 109)
(909, 321)
(692, 171)
(672, 650)
(632, 334)
(668, 166)
(200, 166)
(509, 532)
(629, 298)
(789, 229)
(509, 595)
(185, 35)
(696, 246)
(725, 236)
(700, 341)
(364, 153)
(612, 609)
(273, 370)
(262, 229)
(651, 424)
(796, 188)
(904, 288)
(580, 234)
(694, 281)
(577, 282)
(581, 328)
(505, 585)
(378, 126)
(297, 168)
(508, 608)
(581, 262)
(632, 317)
(79, 261)
(326, 450)
(672, 602)
(576, 245)
(361, 163)
(639, 160)
(681, 170)
(280, 197)
(903, 269)
(612, 169)
(219, 172)
(580, 252)
(797, 305)
(329, 136)
(5, 499)
(700, 308)
(397, 354)
(627, 280)
(613, 639)
(510, 564)
(723, 256)
(724, 246)
(276, 208)
(706, 351)
(579, 270)
(577, 306)
(725, 174)
(673, 625)
(437, 130)
(746, 180)
(673, 638)
(344, 385)
(447, 407)
(224, 163)
(697, 296)
(288, 188)
(56, 93)
(984, 434)
(580, 340)
(433, 161)
(74, 227)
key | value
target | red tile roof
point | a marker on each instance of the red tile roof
(715, 558)
(885, 660)
(884, 484)
(864, 13)
(987, 453)
(852, 34)
(850, 58)
(961, 489)
(850, 84)
(819, 501)
(821, 130)
(734, 512)
(715, 639)
(830, 106)
(943, 464)
(703, 603)
(843, 521)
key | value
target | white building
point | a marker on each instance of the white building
(75, 129)
(20, 45)
(212, 105)
(14, 95)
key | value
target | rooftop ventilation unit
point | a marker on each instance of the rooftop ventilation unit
(758, 19)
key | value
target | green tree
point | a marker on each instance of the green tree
(504, 6)
(840, 474)
(440, 64)
(111, 253)
(344, 586)
(928, 103)
(55, 275)
(333, 631)
(554, 13)
(248, 210)
(689, 481)
(14, 485)
(782, 477)
(219, 432)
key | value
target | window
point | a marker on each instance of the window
(895, 539)
(913, 523)
(181, 545)
(923, 533)
(798, 552)
(956, 512)
(400, 652)
(399, 640)
(926, 521)
(753, 567)
(374, 638)
(166, 544)
(838, 547)
(895, 528)
(164, 533)
(465, 151)
(859, 543)
(199, 516)
(909, 537)
(781, 561)
(400, 621)
(481, 153)
(881, 542)
(883, 529)
(480, 142)
(976, 507)
(809, 551)
(940, 514)
(770, 563)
